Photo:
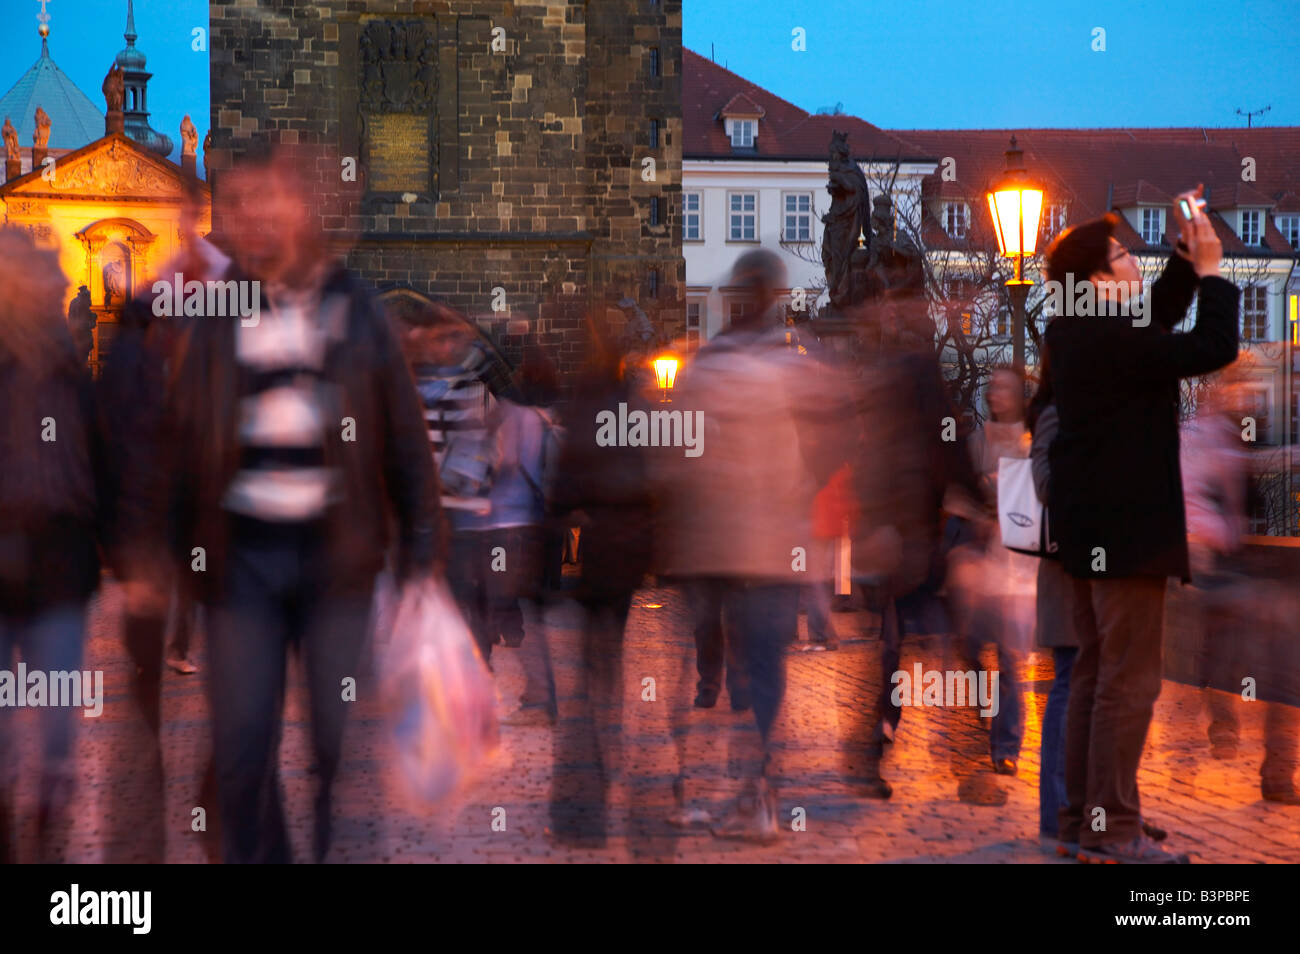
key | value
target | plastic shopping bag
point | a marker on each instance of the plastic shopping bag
(441, 697)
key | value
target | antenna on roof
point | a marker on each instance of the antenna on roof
(1252, 113)
(711, 56)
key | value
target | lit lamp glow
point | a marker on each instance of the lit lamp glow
(1015, 205)
(665, 374)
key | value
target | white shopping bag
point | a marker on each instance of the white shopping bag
(1021, 517)
(441, 698)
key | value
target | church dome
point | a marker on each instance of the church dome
(74, 118)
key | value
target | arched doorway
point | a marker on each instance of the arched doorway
(117, 263)
(405, 307)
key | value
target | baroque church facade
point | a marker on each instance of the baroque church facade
(97, 185)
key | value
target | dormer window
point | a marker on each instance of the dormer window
(742, 133)
(1153, 226)
(1252, 226)
(956, 216)
(1054, 221)
(1289, 226)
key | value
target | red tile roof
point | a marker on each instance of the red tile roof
(1090, 170)
(1095, 170)
(784, 132)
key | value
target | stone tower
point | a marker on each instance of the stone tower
(503, 146)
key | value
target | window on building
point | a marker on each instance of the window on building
(1000, 326)
(735, 310)
(1257, 519)
(742, 133)
(798, 218)
(654, 61)
(692, 226)
(1252, 226)
(1153, 226)
(1053, 220)
(1295, 417)
(1259, 407)
(1254, 313)
(743, 216)
(694, 324)
(1289, 226)
(959, 290)
(654, 134)
(652, 283)
(654, 211)
(955, 218)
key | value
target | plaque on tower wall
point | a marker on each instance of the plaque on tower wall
(397, 90)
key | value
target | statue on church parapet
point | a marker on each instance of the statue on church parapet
(207, 151)
(41, 134)
(189, 137)
(846, 222)
(114, 89)
(13, 152)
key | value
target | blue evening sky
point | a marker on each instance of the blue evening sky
(951, 64)
(85, 35)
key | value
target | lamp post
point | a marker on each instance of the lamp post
(1016, 203)
(665, 366)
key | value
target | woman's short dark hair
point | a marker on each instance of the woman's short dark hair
(1081, 250)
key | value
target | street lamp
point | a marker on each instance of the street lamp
(665, 375)
(1016, 203)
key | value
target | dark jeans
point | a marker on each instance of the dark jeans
(1006, 728)
(48, 641)
(713, 648)
(488, 586)
(815, 598)
(1051, 782)
(277, 596)
(766, 615)
(1113, 692)
(588, 741)
(895, 611)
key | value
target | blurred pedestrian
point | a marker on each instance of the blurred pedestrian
(1000, 597)
(741, 511)
(606, 490)
(294, 432)
(907, 477)
(49, 515)
(1217, 485)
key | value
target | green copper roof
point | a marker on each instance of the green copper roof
(130, 58)
(74, 119)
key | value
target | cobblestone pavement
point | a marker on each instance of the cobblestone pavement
(1212, 808)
